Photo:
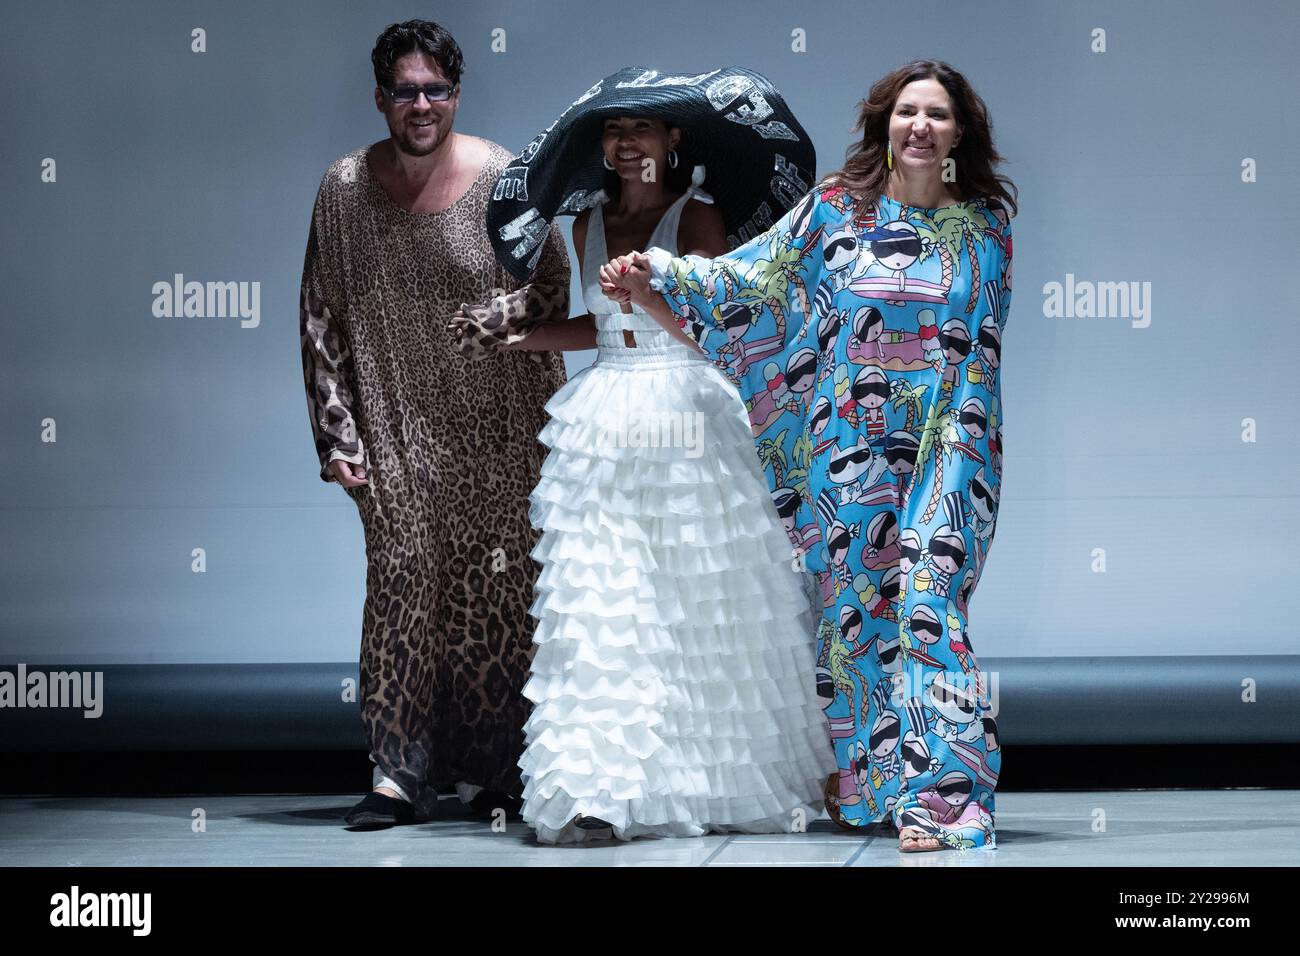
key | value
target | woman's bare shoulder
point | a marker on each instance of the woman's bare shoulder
(701, 227)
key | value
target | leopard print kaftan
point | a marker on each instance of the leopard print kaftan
(451, 452)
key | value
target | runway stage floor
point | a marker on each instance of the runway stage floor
(1078, 828)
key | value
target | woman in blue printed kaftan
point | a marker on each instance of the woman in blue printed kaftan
(866, 343)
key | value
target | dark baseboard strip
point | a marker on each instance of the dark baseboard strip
(1024, 768)
(1038, 702)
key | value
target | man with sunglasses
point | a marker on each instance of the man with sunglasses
(437, 452)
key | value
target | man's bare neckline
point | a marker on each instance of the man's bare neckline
(392, 203)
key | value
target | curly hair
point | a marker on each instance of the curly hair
(864, 173)
(423, 36)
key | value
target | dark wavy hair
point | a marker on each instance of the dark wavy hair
(423, 36)
(864, 173)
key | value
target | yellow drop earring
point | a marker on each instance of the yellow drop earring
(889, 154)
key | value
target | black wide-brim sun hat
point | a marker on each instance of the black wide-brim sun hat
(758, 160)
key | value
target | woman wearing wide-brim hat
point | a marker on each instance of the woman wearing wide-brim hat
(673, 678)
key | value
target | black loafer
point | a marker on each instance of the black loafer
(488, 801)
(583, 822)
(377, 811)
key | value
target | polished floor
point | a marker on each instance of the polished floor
(1113, 828)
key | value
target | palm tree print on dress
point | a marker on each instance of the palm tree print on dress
(866, 344)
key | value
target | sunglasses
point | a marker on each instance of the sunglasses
(866, 322)
(882, 535)
(861, 389)
(801, 370)
(905, 453)
(959, 344)
(916, 756)
(945, 550)
(907, 246)
(947, 694)
(843, 243)
(960, 788)
(921, 625)
(433, 92)
(860, 457)
(885, 735)
(827, 333)
(733, 315)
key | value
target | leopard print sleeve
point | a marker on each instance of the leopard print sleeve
(327, 360)
(515, 309)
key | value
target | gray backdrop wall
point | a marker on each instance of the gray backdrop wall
(1124, 434)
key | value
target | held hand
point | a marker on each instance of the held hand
(476, 330)
(480, 330)
(617, 270)
(347, 474)
(627, 278)
(610, 278)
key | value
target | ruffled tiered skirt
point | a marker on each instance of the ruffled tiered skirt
(673, 675)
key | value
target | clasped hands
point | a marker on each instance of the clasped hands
(627, 278)
(479, 330)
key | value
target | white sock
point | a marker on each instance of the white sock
(378, 779)
(467, 791)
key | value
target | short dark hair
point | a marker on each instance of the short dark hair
(412, 36)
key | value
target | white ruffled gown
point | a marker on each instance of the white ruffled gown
(673, 676)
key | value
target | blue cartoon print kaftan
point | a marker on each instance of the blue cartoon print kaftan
(866, 343)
